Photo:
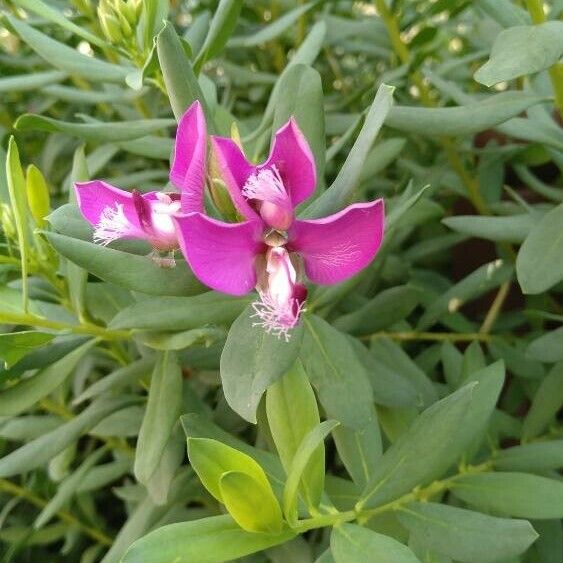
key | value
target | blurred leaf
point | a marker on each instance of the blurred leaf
(465, 535)
(26, 393)
(510, 229)
(163, 409)
(548, 347)
(208, 540)
(517, 494)
(66, 58)
(350, 543)
(539, 265)
(252, 360)
(522, 50)
(33, 81)
(16, 345)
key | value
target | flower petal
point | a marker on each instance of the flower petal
(221, 254)
(95, 197)
(294, 160)
(188, 165)
(234, 170)
(335, 248)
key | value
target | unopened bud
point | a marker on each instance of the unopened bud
(126, 29)
(110, 26)
(38, 197)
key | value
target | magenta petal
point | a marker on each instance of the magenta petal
(235, 170)
(95, 197)
(221, 254)
(335, 248)
(295, 162)
(188, 165)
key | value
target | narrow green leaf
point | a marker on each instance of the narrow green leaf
(252, 360)
(465, 535)
(15, 345)
(26, 393)
(422, 454)
(163, 409)
(26, 82)
(305, 451)
(516, 494)
(548, 347)
(350, 543)
(522, 50)
(514, 228)
(535, 457)
(208, 540)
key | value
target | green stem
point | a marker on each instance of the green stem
(17, 491)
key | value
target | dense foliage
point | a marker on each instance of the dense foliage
(412, 415)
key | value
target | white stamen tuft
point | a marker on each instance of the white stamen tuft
(266, 185)
(112, 225)
(275, 319)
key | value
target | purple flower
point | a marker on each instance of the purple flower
(117, 214)
(271, 249)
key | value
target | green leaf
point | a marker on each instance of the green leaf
(109, 132)
(336, 372)
(465, 535)
(252, 360)
(51, 14)
(15, 345)
(510, 229)
(462, 120)
(181, 340)
(208, 540)
(254, 507)
(350, 543)
(38, 452)
(273, 30)
(385, 309)
(522, 50)
(221, 27)
(180, 313)
(301, 97)
(545, 404)
(66, 58)
(181, 83)
(548, 347)
(17, 193)
(26, 393)
(535, 457)
(25, 82)
(342, 189)
(292, 413)
(163, 409)
(539, 265)
(422, 454)
(477, 283)
(304, 454)
(517, 494)
(138, 273)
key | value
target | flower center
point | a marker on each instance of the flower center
(282, 300)
(112, 225)
(266, 187)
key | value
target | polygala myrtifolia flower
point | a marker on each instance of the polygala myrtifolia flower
(271, 249)
(119, 214)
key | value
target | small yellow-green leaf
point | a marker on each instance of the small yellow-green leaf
(37, 195)
(253, 506)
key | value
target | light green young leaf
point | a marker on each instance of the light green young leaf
(208, 540)
(522, 50)
(350, 543)
(306, 450)
(292, 412)
(465, 535)
(252, 360)
(163, 409)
